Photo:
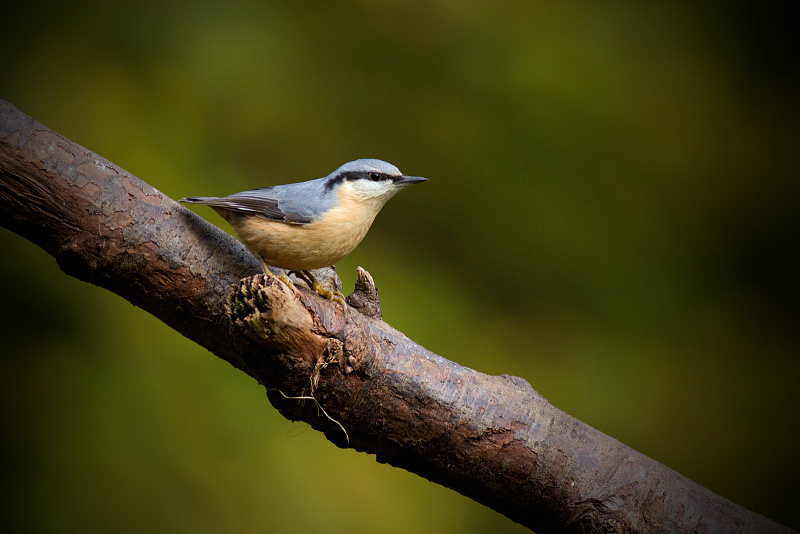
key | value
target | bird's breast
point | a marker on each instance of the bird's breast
(314, 245)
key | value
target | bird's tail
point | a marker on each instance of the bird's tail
(198, 200)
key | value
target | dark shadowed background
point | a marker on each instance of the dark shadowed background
(612, 214)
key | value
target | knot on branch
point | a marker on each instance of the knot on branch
(592, 515)
(365, 297)
(272, 314)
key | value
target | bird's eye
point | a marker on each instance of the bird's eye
(375, 176)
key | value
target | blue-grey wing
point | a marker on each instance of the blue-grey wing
(299, 203)
(267, 202)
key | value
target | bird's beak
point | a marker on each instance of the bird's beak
(408, 180)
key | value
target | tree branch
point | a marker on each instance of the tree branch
(492, 438)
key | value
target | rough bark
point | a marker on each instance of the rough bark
(492, 438)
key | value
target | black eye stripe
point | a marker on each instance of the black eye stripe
(372, 176)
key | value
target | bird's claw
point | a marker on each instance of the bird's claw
(314, 284)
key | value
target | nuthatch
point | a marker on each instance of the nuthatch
(313, 224)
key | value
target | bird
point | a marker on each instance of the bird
(313, 224)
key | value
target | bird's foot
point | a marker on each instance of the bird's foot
(282, 277)
(286, 280)
(313, 283)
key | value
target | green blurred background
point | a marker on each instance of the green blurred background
(612, 214)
